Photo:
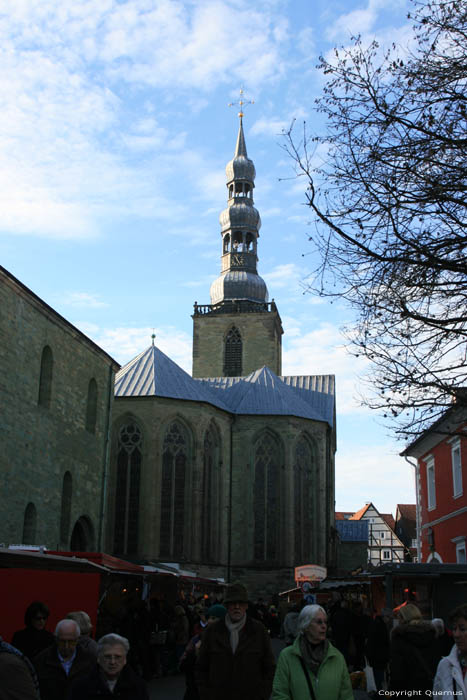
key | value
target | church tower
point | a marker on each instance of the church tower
(240, 330)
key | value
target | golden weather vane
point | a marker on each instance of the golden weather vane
(241, 102)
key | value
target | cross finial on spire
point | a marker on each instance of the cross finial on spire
(241, 102)
(153, 336)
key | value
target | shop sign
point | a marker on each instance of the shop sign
(311, 572)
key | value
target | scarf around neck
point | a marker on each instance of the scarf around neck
(313, 654)
(234, 629)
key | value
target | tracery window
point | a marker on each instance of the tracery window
(210, 497)
(266, 500)
(233, 353)
(30, 524)
(129, 460)
(65, 514)
(174, 467)
(45, 378)
(91, 407)
(303, 501)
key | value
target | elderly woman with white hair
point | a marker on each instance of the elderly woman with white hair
(111, 677)
(312, 668)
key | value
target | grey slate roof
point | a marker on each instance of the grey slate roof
(152, 373)
(262, 392)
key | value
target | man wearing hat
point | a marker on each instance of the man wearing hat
(235, 659)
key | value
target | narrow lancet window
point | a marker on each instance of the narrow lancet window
(127, 492)
(45, 379)
(233, 353)
(174, 467)
(266, 501)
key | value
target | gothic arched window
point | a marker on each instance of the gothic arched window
(65, 514)
(266, 500)
(174, 467)
(303, 501)
(29, 524)
(210, 497)
(127, 492)
(233, 353)
(91, 407)
(45, 378)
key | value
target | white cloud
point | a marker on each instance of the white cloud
(369, 472)
(269, 127)
(72, 128)
(287, 275)
(83, 300)
(124, 343)
(322, 351)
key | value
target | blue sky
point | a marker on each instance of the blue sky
(114, 137)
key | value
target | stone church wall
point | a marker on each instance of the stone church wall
(154, 415)
(261, 342)
(41, 444)
(278, 575)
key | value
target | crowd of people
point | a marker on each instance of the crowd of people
(224, 650)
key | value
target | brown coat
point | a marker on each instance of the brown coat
(16, 681)
(247, 674)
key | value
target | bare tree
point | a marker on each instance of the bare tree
(389, 205)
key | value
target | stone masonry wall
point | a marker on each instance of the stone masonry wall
(40, 444)
(154, 415)
(261, 342)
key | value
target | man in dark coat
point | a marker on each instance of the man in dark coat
(59, 665)
(111, 677)
(236, 658)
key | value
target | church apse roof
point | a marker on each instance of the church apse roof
(262, 392)
(152, 373)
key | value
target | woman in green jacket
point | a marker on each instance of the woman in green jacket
(312, 669)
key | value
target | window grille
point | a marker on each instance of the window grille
(266, 500)
(233, 353)
(174, 465)
(127, 491)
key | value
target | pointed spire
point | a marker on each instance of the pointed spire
(240, 148)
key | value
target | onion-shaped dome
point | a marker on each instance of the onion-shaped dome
(240, 216)
(240, 168)
(239, 284)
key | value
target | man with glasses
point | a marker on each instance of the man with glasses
(59, 665)
(112, 675)
(235, 659)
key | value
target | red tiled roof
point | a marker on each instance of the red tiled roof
(358, 515)
(389, 520)
(408, 510)
(342, 514)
